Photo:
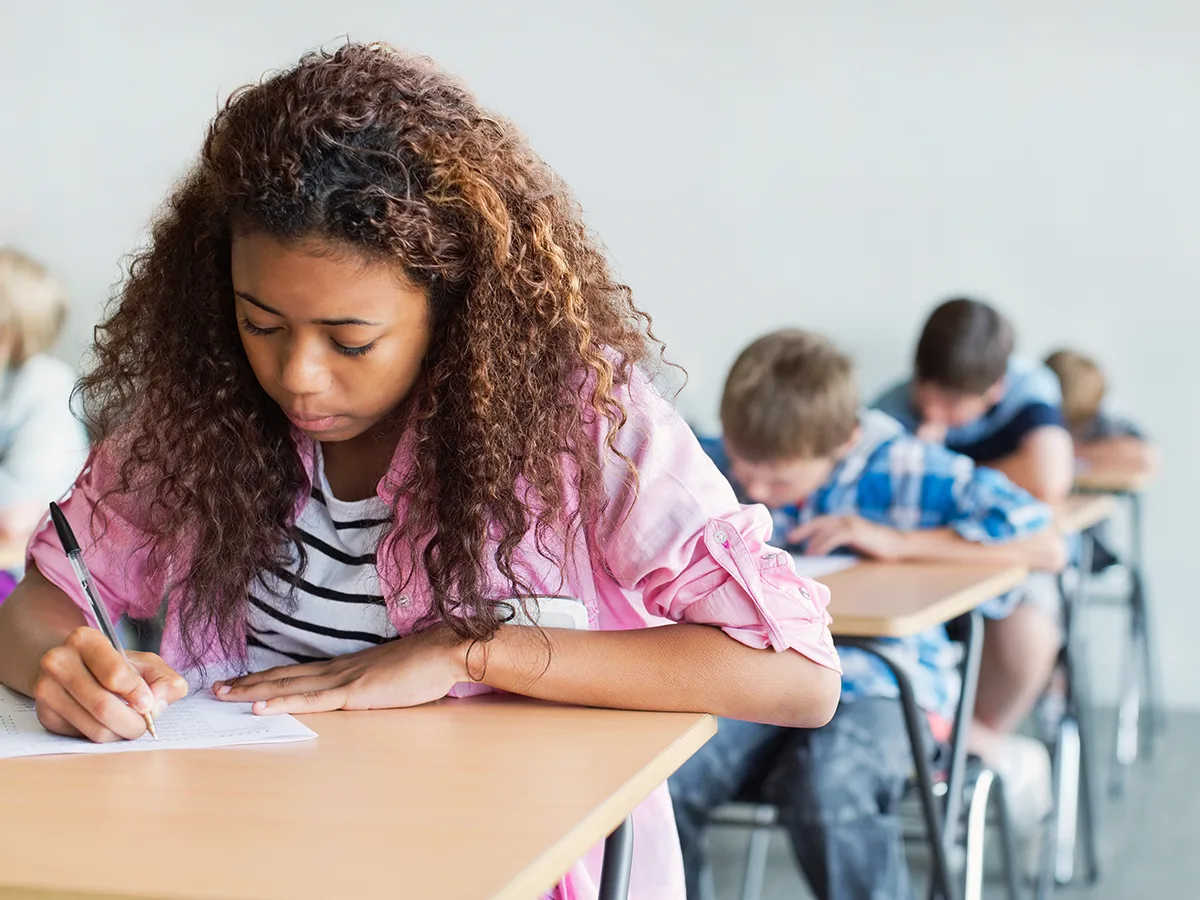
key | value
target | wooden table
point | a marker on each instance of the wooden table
(493, 797)
(1115, 480)
(878, 599)
(1080, 512)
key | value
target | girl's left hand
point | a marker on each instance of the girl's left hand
(405, 672)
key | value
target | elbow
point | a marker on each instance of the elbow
(1051, 490)
(815, 705)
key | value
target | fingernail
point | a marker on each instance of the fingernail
(160, 707)
(143, 701)
(223, 690)
(259, 706)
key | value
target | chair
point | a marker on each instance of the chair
(963, 784)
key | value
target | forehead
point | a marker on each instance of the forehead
(776, 469)
(315, 279)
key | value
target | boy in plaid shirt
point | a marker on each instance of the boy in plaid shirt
(839, 478)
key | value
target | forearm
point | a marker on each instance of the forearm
(685, 668)
(35, 618)
(1045, 551)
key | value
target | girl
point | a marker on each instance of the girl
(370, 397)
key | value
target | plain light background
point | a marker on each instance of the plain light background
(749, 165)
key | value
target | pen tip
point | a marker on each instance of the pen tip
(150, 726)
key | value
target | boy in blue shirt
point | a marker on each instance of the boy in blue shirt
(969, 392)
(835, 477)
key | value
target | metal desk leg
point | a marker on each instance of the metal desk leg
(1074, 768)
(618, 860)
(963, 715)
(943, 880)
(1154, 719)
(1139, 710)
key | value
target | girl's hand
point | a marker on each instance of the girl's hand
(85, 688)
(404, 672)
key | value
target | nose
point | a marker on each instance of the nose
(302, 371)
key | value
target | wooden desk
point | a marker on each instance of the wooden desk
(494, 797)
(1081, 511)
(876, 599)
(1122, 480)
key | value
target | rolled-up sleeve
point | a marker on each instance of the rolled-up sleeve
(681, 541)
(115, 551)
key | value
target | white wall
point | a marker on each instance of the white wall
(750, 164)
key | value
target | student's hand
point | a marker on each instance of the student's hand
(405, 672)
(86, 689)
(932, 432)
(825, 534)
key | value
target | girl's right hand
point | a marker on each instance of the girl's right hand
(85, 688)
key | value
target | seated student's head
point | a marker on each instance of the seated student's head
(789, 412)
(961, 359)
(1083, 386)
(33, 307)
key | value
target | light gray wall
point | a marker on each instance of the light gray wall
(750, 165)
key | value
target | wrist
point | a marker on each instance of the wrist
(471, 661)
(903, 544)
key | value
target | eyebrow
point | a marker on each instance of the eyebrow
(331, 322)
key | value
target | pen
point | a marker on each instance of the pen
(75, 555)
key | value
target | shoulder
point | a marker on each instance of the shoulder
(42, 378)
(714, 447)
(1030, 383)
(896, 401)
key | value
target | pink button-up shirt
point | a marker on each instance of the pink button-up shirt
(686, 551)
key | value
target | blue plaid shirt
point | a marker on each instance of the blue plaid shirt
(891, 478)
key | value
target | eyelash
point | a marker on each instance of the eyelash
(255, 330)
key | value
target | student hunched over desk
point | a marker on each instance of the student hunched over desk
(370, 284)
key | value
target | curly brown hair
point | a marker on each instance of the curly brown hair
(385, 154)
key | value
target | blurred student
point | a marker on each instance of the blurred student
(971, 393)
(836, 477)
(42, 445)
(1101, 438)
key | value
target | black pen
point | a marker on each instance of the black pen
(75, 555)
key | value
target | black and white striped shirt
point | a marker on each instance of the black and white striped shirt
(337, 606)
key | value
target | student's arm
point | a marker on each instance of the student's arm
(80, 682)
(1044, 464)
(1125, 452)
(752, 639)
(1044, 551)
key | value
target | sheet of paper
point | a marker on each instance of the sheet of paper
(197, 722)
(816, 566)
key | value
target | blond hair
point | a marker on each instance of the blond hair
(1083, 386)
(790, 395)
(33, 305)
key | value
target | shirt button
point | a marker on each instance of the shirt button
(403, 599)
(721, 536)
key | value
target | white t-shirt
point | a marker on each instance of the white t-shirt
(337, 606)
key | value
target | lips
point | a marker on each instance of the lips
(309, 422)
